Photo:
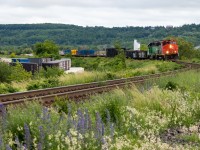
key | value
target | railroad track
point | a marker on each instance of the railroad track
(78, 92)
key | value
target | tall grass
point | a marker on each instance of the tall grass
(133, 68)
(130, 118)
(189, 80)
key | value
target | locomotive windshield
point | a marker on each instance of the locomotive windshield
(168, 42)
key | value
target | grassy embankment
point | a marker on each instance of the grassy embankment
(164, 114)
(96, 69)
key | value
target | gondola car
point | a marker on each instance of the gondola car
(165, 49)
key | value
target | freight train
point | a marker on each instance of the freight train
(164, 49)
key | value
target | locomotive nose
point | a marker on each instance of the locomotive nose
(171, 47)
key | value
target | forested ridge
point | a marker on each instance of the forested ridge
(62, 34)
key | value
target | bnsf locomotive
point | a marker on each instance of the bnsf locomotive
(166, 49)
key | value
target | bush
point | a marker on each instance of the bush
(5, 72)
(51, 72)
(34, 85)
(114, 108)
(47, 83)
(110, 76)
(50, 82)
(166, 66)
(17, 117)
(65, 105)
(171, 86)
(19, 73)
(6, 88)
(13, 73)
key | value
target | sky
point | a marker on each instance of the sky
(107, 13)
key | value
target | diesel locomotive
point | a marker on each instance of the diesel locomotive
(165, 49)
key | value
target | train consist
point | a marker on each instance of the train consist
(165, 49)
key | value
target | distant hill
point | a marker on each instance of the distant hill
(29, 34)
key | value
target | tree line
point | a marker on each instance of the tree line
(25, 35)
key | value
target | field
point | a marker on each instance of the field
(162, 114)
(96, 69)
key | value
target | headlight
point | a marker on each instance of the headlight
(167, 52)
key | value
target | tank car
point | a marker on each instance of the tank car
(165, 49)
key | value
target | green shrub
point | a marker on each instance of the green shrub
(166, 66)
(171, 85)
(17, 117)
(47, 83)
(137, 73)
(50, 82)
(5, 72)
(65, 105)
(191, 138)
(51, 72)
(110, 76)
(6, 88)
(34, 85)
(114, 108)
(19, 73)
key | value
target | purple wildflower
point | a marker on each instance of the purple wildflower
(1, 142)
(18, 143)
(87, 120)
(8, 147)
(81, 121)
(3, 116)
(60, 118)
(108, 117)
(98, 133)
(112, 131)
(69, 109)
(42, 136)
(74, 123)
(103, 141)
(69, 116)
(27, 136)
(102, 129)
(45, 115)
(25, 147)
(39, 146)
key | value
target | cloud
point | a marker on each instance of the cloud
(101, 12)
(104, 3)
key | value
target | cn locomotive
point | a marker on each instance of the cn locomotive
(165, 49)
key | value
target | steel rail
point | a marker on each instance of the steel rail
(47, 96)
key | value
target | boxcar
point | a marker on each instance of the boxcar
(64, 64)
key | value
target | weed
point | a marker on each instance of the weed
(171, 86)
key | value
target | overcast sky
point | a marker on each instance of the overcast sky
(106, 13)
